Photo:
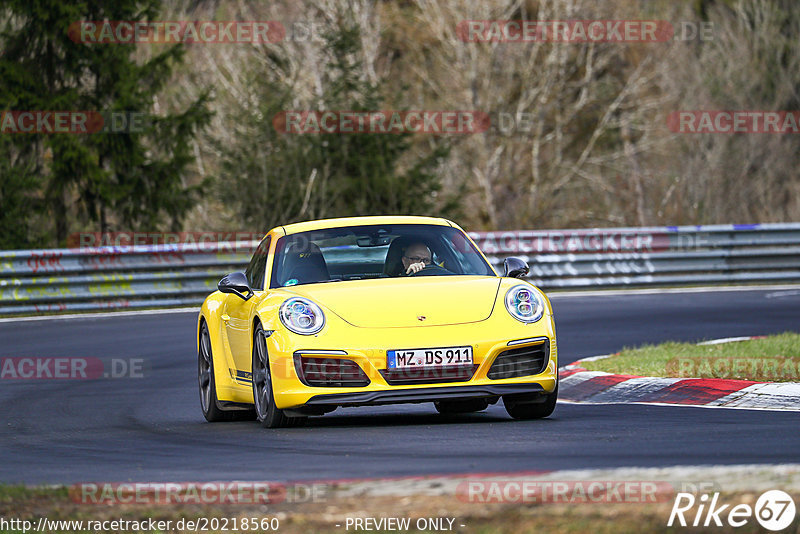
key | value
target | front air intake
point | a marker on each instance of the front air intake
(329, 372)
(523, 361)
(428, 375)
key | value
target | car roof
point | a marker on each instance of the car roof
(359, 221)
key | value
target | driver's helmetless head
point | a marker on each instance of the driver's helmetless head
(416, 253)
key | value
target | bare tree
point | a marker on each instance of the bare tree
(579, 134)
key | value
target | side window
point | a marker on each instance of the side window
(258, 264)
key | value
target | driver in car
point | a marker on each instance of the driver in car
(416, 257)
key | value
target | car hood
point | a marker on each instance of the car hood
(404, 302)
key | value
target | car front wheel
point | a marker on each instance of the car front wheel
(531, 408)
(205, 378)
(266, 412)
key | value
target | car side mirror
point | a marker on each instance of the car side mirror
(235, 283)
(514, 267)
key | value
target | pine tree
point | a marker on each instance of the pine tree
(132, 179)
(271, 178)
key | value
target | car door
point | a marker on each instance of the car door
(238, 312)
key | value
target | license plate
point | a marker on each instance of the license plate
(439, 357)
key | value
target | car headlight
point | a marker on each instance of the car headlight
(524, 304)
(301, 316)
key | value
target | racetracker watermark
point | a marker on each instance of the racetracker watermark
(577, 241)
(313, 370)
(564, 492)
(176, 31)
(401, 524)
(70, 368)
(777, 368)
(565, 31)
(381, 122)
(733, 122)
(171, 493)
(190, 241)
(73, 122)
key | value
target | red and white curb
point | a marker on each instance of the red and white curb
(576, 384)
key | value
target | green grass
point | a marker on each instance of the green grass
(12, 493)
(772, 359)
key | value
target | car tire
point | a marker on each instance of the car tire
(263, 399)
(521, 408)
(463, 406)
(209, 403)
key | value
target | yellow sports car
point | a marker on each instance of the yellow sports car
(366, 311)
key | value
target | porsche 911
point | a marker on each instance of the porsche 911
(368, 311)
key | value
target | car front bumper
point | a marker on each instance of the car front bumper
(291, 393)
(329, 401)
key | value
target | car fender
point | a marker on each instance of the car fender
(211, 311)
(548, 317)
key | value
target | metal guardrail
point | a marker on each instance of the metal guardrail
(91, 278)
(672, 255)
(36, 281)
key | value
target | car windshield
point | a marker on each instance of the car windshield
(375, 251)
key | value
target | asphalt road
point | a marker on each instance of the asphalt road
(151, 429)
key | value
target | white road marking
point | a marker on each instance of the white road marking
(781, 294)
(656, 291)
(726, 340)
(631, 390)
(793, 408)
(765, 396)
(551, 295)
(100, 315)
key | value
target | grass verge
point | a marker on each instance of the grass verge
(771, 359)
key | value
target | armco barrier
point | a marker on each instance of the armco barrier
(672, 255)
(35, 281)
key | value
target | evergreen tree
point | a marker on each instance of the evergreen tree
(133, 179)
(272, 178)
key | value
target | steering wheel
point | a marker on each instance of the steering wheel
(431, 270)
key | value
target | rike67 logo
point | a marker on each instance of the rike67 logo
(774, 510)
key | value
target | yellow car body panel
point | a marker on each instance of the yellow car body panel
(474, 315)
